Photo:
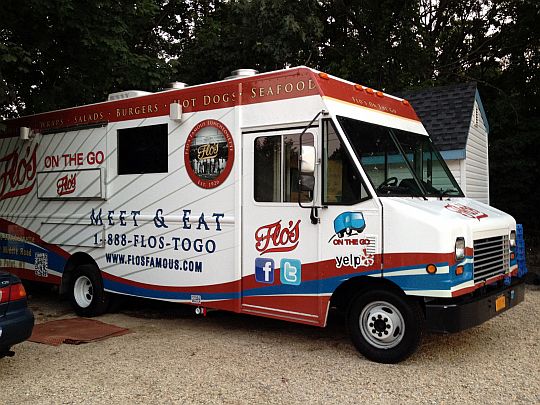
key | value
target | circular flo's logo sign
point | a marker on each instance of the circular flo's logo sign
(209, 153)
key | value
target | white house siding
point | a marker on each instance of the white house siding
(476, 162)
(454, 166)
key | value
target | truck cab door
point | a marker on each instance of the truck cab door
(280, 245)
(351, 222)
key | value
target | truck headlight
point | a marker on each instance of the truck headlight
(460, 249)
(512, 239)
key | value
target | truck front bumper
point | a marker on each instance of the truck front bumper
(454, 315)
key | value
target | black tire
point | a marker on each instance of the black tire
(392, 329)
(88, 297)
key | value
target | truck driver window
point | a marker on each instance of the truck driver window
(342, 183)
(143, 150)
(276, 168)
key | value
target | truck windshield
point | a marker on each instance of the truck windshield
(399, 163)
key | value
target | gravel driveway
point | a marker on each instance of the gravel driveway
(172, 356)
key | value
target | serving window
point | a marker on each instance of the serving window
(143, 150)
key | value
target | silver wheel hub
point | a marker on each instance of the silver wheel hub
(83, 291)
(382, 325)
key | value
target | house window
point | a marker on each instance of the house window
(276, 168)
(143, 150)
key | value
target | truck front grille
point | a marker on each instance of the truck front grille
(491, 257)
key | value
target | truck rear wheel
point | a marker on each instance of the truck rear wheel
(384, 326)
(88, 297)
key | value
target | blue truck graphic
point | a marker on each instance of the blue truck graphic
(347, 222)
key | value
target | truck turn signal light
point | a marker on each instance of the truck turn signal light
(431, 269)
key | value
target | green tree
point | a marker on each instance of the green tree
(372, 42)
(260, 34)
(56, 54)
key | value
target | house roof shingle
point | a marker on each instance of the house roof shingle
(445, 112)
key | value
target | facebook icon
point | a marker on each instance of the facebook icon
(264, 270)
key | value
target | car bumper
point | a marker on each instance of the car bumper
(460, 314)
(15, 328)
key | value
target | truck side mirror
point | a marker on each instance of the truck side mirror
(307, 160)
(307, 182)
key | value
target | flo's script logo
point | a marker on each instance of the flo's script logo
(208, 151)
(275, 238)
(17, 173)
(466, 211)
(67, 184)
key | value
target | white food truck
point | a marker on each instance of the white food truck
(281, 194)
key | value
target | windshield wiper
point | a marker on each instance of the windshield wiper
(447, 192)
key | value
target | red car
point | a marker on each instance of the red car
(16, 319)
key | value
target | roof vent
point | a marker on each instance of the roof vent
(177, 85)
(235, 74)
(127, 94)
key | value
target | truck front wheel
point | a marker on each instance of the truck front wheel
(88, 297)
(384, 326)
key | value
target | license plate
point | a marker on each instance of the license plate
(500, 303)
